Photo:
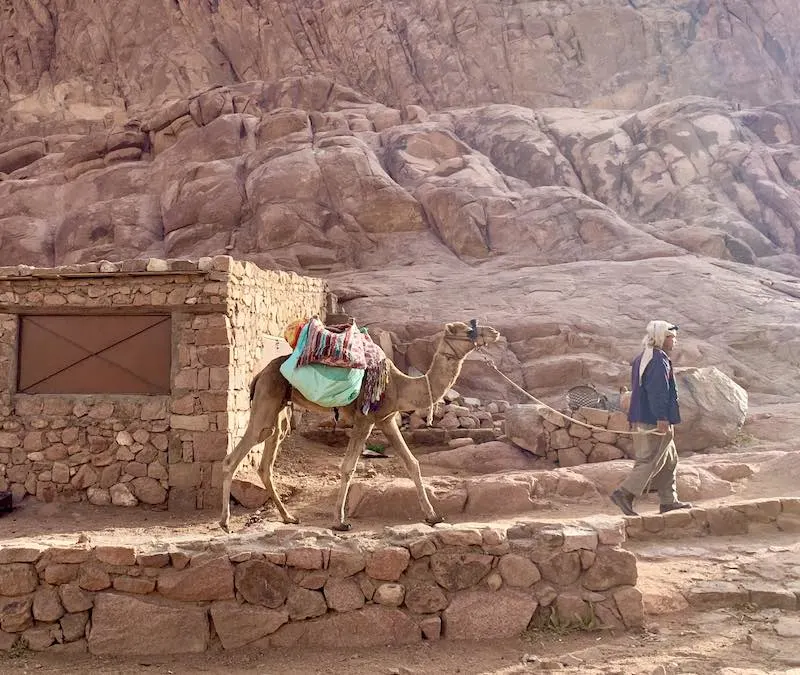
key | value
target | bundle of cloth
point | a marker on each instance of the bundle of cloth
(333, 366)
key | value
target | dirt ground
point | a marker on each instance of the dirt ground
(699, 643)
(307, 476)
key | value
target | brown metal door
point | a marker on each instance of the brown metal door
(109, 354)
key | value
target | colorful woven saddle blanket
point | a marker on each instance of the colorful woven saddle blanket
(346, 346)
(342, 345)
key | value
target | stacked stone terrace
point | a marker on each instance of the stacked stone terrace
(548, 434)
(308, 588)
(163, 448)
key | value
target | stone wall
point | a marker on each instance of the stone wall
(259, 315)
(548, 434)
(155, 449)
(761, 515)
(310, 589)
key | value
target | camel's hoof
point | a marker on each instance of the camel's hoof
(434, 520)
(225, 527)
(341, 527)
(291, 520)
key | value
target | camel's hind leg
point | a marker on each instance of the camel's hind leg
(392, 432)
(269, 397)
(271, 447)
(229, 466)
(358, 437)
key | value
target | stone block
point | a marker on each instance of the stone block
(457, 536)
(305, 557)
(518, 571)
(387, 564)
(17, 579)
(262, 583)
(190, 422)
(371, 626)
(713, 594)
(571, 608)
(612, 567)
(21, 554)
(136, 585)
(771, 595)
(593, 416)
(457, 571)
(343, 595)
(116, 555)
(15, 614)
(210, 446)
(431, 627)
(562, 569)
(209, 579)
(74, 598)
(631, 608)
(390, 595)
(579, 538)
(93, 577)
(345, 563)
(303, 603)
(73, 626)
(618, 421)
(127, 626)
(47, 604)
(424, 597)
(725, 520)
(185, 475)
(238, 625)
(486, 615)
(571, 457)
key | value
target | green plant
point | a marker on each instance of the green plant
(376, 447)
(18, 649)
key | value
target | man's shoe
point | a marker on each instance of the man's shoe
(624, 500)
(666, 508)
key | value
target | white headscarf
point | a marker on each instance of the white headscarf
(657, 332)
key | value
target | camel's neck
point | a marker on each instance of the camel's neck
(441, 376)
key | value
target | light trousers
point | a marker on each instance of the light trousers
(656, 463)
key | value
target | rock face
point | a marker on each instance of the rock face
(574, 189)
(535, 54)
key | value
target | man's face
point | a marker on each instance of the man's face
(669, 343)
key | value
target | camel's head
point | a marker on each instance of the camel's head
(469, 336)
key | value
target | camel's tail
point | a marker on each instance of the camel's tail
(253, 387)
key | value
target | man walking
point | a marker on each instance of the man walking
(653, 408)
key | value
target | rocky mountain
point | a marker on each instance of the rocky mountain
(563, 170)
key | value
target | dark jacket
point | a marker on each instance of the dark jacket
(657, 397)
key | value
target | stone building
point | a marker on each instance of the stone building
(129, 382)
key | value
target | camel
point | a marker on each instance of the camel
(271, 396)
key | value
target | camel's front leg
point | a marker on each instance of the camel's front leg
(358, 437)
(392, 432)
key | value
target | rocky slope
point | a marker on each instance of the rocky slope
(546, 167)
(62, 59)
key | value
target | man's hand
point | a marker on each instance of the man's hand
(662, 426)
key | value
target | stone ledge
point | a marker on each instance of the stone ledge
(776, 515)
(295, 586)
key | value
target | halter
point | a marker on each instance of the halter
(471, 336)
